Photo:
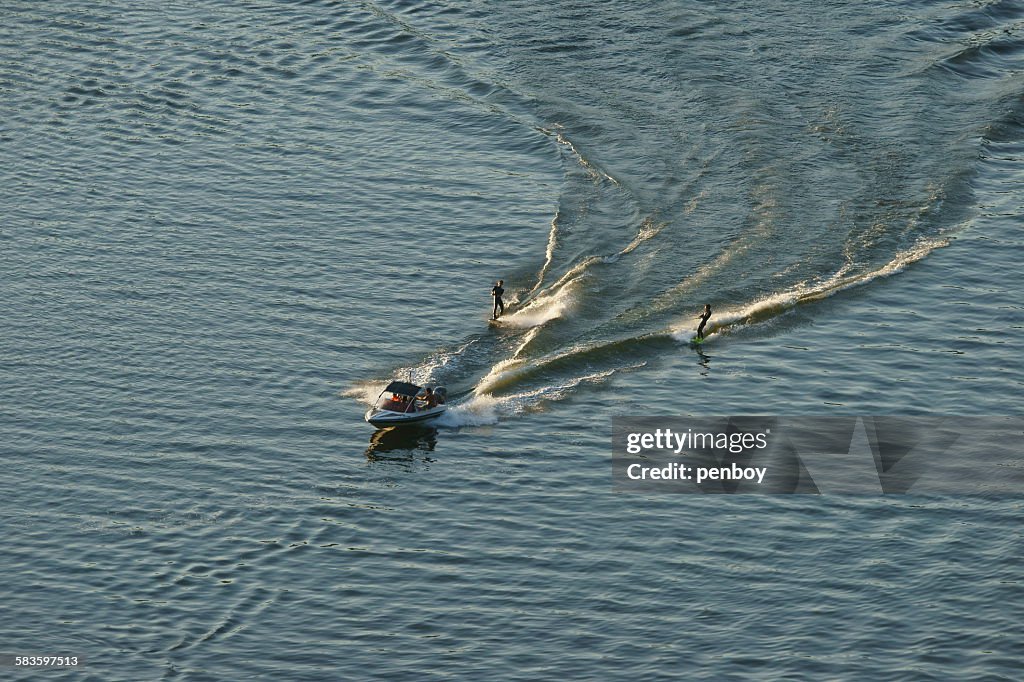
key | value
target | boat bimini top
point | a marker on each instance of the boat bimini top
(406, 404)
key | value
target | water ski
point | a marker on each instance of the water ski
(696, 341)
(496, 322)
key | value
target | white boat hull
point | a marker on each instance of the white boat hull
(382, 418)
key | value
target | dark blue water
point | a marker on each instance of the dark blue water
(225, 227)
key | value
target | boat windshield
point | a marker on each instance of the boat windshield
(397, 402)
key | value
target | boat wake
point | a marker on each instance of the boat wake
(544, 308)
(772, 208)
(525, 376)
(773, 305)
(483, 408)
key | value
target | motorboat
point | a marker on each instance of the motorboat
(404, 403)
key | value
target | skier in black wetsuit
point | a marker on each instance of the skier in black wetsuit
(704, 317)
(499, 305)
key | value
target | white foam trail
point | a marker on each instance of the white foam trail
(594, 172)
(527, 340)
(529, 400)
(508, 371)
(776, 303)
(477, 411)
(499, 373)
(558, 296)
(365, 391)
(549, 256)
(484, 409)
(840, 282)
(515, 366)
(426, 372)
(577, 271)
(729, 317)
(543, 308)
(648, 230)
(737, 247)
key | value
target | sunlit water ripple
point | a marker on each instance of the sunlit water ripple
(224, 227)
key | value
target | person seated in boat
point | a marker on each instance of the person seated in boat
(431, 399)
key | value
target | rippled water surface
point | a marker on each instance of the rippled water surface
(224, 227)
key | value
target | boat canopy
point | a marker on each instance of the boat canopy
(403, 388)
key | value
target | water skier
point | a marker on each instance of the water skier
(704, 317)
(499, 305)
